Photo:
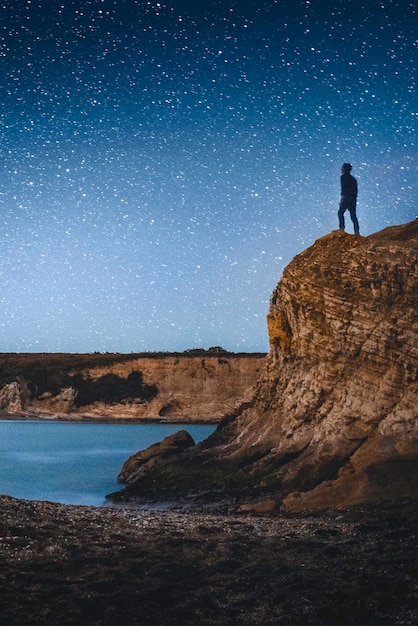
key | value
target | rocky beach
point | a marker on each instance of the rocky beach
(66, 565)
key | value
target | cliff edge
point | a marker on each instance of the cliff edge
(333, 421)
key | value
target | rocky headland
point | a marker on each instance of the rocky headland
(333, 421)
(193, 386)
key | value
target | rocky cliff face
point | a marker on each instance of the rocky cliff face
(334, 417)
(171, 387)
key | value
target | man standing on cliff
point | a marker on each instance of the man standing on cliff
(348, 198)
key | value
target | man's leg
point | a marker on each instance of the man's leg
(355, 221)
(341, 217)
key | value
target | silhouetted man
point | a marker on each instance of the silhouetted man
(348, 198)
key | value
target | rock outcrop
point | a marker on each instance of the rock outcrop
(193, 386)
(334, 418)
(157, 453)
(12, 397)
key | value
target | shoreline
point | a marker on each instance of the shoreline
(34, 417)
(73, 462)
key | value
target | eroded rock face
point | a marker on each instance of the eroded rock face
(11, 396)
(171, 388)
(61, 403)
(334, 417)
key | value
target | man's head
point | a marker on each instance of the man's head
(346, 168)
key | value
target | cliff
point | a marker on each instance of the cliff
(333, 420)
(193, 386)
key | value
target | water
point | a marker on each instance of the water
(73, 463)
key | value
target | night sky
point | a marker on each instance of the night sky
(161, 162)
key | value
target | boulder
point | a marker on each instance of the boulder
(138, 464)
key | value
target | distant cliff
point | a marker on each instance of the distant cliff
(334, 417)
(194, 386)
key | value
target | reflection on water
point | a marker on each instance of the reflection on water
(73, 463)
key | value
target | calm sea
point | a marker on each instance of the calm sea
(73, 463)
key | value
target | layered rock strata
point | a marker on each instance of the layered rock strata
(179, 387)
(334, 418)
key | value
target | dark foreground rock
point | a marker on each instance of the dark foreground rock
(157, 453)
(66, 565)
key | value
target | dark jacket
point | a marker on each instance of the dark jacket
(348, 187)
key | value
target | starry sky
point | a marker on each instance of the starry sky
(162, 162)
